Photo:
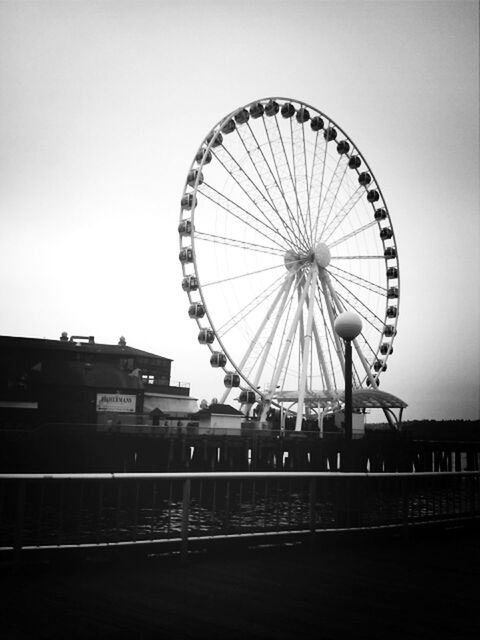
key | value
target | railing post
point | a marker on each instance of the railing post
(185, 518)
(472, 483)
(227, 507)
(404, 490)
(313, 511)
(20, 515)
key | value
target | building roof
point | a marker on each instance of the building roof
(218, 409)
(74, 345)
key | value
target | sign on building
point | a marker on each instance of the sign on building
(116, 402)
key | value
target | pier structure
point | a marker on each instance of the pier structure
(138, 449)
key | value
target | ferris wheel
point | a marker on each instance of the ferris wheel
(283, 226)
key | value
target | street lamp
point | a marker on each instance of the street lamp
(348, 326)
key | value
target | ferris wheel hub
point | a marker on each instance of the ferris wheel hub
(322, 255)
(292, 260)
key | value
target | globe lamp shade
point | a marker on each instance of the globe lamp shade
(348, 325)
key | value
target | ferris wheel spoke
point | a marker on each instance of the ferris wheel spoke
(352, 234)
(299, 175)
(356, 378)
(285, 181)
(307, 183)
(244, 216)
(243, 275)
(365, 364)
(311, 190)
(341, 307)
(242, 179)
(292, 180)
(342, 214)
(246, 184)
(331, 197)
(242, 176)
(240, 244)
(330, 190)
(367, 344)
(361, 282)
(322, 183)
(281, 296)
(267, 178)
(361, 308)
(300, 167)
(378, 257)
(347, 303)
(277, 187)
(246, 310)
(274, 142)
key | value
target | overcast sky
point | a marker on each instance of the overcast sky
(104, 104)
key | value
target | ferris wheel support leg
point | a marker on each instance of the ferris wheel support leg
(321, 357)
(286, 349)
(284, 290)
(301, 281)
(329, 294)
(306, 352)
(392, 419)
(225, 395)
(320, 420)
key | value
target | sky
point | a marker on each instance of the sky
(104, 105)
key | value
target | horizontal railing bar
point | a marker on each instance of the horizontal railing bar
(106, 511)
(233, 474)
(239, 536)
(92, 545)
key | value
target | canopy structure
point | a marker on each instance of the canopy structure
(374, 399)
(361, 399)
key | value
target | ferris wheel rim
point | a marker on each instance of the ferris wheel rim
(207, 146)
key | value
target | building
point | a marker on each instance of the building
(78, 381)
(219, 419)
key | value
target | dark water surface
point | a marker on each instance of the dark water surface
(94, 512)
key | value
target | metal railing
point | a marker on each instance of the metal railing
(65, 511)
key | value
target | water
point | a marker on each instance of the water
(96, 512)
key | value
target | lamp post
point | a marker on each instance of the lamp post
(348, 326)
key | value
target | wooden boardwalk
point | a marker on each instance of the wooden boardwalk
(350, 587)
